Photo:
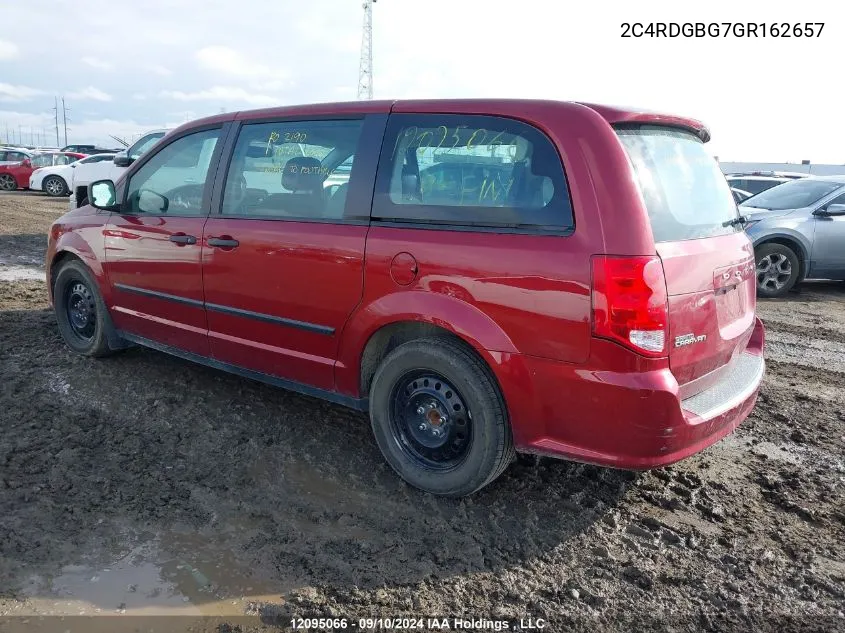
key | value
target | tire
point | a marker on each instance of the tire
(55, 186)
(8, 182)
(86, 328)
(438, 384)
(778, 269)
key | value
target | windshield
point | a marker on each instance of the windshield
(795, 194)
(685, 192)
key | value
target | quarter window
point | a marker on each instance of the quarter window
(473, 171)
(292, 170)
(173, 181)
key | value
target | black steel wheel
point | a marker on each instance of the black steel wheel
(81, 310)
(83, 318)
(430, 420)
(439, 418)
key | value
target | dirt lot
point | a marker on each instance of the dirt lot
(143, 484)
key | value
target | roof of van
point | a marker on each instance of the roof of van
(612, 114)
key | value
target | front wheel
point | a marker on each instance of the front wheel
(439, 418)
(82, 316)
(55, 186)
(778, 269)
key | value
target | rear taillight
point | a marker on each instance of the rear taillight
(630, 303)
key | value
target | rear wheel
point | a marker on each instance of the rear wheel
(82, 316)
(7, 182)
(55, 186)
(778, 269)
(439, 419)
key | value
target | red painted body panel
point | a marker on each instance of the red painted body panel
(23, 170)
(139, 255)
(307, 272)
(300, 301)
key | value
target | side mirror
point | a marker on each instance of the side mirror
(152, 202)
(835, 209)
(101, 195)
(122, 160)
(26, 163)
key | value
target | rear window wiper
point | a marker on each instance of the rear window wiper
(737, 221)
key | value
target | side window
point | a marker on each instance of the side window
(173, 181)
(473, 171)
(837, 200)
(64, 159)
(143, 144)
(292, 170)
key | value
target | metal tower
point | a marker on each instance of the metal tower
(365, 69)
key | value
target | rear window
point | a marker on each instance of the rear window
(794, 194)
(685, 192)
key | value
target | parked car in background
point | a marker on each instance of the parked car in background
(756, 181)
(89, 149)
(85, 174)
(17, 175)
(12, 155)
(55, 181)
(471, 293)
(798, 232)
(740, 195)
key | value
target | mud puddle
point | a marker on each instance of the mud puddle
(170, 574)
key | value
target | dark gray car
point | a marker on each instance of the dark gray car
(798, 231)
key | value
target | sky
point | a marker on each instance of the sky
(127, 67)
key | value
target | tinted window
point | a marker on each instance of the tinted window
(173, 180)
(838, 200)
(293, 169)
(471, 170)
(685, 192)
(794, 194)
(143, 144)
(64, 159)
(757, 186)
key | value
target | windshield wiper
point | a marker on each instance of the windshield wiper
(737, 221)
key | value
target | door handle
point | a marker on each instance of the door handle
(181, 238)
(223, 242)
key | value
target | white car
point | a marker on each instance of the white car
(55, 181)
(84, 175)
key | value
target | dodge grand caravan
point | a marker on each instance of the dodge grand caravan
(482, 277)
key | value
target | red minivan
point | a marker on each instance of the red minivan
(481, 276)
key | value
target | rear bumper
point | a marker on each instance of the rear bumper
(634, 419)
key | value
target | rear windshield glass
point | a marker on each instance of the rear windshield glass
(794, 194)
(685, 192)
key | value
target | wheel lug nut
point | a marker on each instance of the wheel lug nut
(422, 427)
(420, 410)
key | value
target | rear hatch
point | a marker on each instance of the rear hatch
(708, 261)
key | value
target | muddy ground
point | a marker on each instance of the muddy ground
(144, 485)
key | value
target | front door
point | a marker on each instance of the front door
(153, 245)
(829, 244)
(283, 259)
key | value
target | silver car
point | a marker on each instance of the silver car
(798, 231)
